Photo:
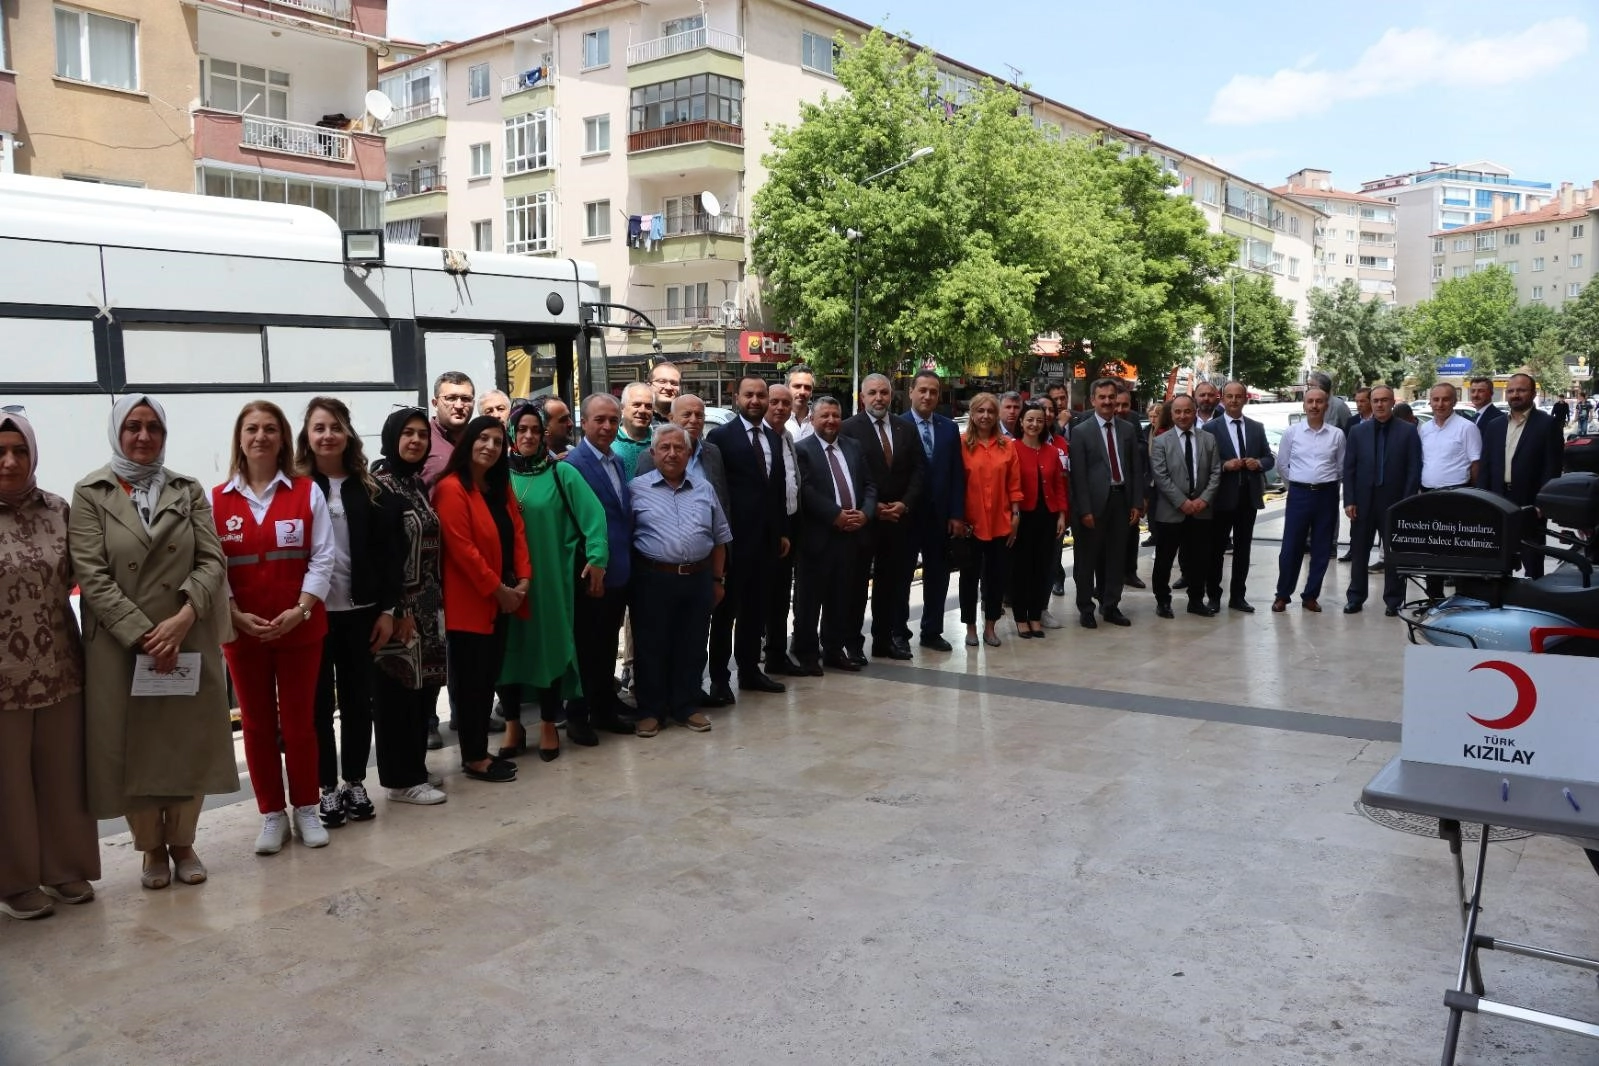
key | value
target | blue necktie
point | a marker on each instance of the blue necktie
(927, 438)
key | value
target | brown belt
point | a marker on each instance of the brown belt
(675, 568)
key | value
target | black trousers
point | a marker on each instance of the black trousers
(886, 567)
(1130, 559)
(671, 623)
(598, 623)
(1363, 532)
(987, 565)
(1099, 554)
(930, 544)
(401, 719)
(1239, 525)
(347, 668)
(475, 660)
(779, 597)
(825, 594)
(1188, 542)
(550, 705)
(1033, 559)
(743, 608)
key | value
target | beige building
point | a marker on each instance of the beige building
(1358, 236)
(1549, 251)
(251, 99)
(559, 136)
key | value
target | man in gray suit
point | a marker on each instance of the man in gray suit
(1187, 469)
(1107, 481)
(705, 459)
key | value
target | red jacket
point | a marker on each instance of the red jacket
(267, 561)
(1049, 458)
(472, 560)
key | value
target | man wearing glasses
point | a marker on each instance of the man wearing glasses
(453, 396)
(666, 381)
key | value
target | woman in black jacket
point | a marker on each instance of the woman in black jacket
(362, 603)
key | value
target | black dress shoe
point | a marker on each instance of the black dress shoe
(1352, 608)
(1201, 609)
(581, 733)
(1059, 589)
(1135, 582)
(1163, 610)
(840, 662)
(759, 682)
(620, 726)
(1239, 605)
(810, 668)
(1391, 612)
(1344, 558)
(858, 659)
(1214, 603)
(1180, 584)
(933, 642)
(784, 665)
(1086, 620)
(900, 649)
(435, 742)
(721, 695)
(1115, 617)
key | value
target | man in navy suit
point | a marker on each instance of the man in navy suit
(895, 462)
(1480, 391)
(1382, 465)
(753, 457)
(941, 513)
(598, 620)
(1520, 452)
(1245, 458)
(838, 502)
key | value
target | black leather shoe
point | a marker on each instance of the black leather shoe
(1115, 617)
(1391, 612)
(858, 659)
(934, 642)
(1344, 558)
(1214, 603)
(1059, 589)
(1238, 605)
(1135, 582)
(810, 668)
(721, 695)
(581, 733)
(895, 649)
(1086, 620)
(1202, 610)
(1163, 610)
(435, 742)
(759, 682)
(620, 726)
(840, 662)
(784, 665)
(1180, 584)
(1352, 608)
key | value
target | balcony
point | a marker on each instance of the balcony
(286, 147)
(415, 112)
(415, 123)
(333, 19)
(333, 9)
(679, 43)
(296, 138)
(693, 238)
(418, 193)
(685, 146)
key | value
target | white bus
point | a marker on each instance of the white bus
(206, 303)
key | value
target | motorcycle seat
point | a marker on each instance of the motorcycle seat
(1560, 593)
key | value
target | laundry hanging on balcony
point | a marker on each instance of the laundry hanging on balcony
(534, 77)
(635, 231)
(657, 227)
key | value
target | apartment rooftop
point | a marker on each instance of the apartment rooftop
(1572, 204)
(1328, 194)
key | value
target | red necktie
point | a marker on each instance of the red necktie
(1110, 447)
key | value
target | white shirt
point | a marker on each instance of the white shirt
(1448, 449)
(829, 450)
(797, 430)
(764, 447)
(319, 571)
(1311, 456)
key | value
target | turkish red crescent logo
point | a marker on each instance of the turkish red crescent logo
(1526, 696)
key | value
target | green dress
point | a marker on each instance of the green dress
(541, 651)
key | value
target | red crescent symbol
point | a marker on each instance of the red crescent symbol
(1526, 696)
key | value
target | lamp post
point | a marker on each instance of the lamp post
(1232, 317)
(854, 235)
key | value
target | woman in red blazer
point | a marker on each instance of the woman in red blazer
(486, 575)
(1043, 521)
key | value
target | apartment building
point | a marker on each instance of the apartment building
(1550, 251)
(250, 99)
(1358, 236)
(632, 136)
(1443, 197)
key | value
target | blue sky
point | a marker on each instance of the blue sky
(1264, 88)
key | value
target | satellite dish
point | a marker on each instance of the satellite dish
(379, 106)
(712, 205)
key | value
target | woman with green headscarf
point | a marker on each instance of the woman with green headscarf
(567, 543)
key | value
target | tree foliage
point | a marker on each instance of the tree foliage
(969, 254)
(1545, 360)
(1258, 333)
(1579, 325)
(1465, 313)
(1357, 342)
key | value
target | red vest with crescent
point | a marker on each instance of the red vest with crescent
(268, 560)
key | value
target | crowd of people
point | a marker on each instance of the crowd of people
(498, 551)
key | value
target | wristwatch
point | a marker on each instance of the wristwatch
(305, 612)
(720, 579)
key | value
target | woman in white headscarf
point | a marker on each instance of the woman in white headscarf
(151, 571)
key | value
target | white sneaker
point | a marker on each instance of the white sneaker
(1049, 620)
(308, 823)
(425, 795)
(275, 832)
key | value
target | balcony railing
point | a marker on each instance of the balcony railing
(689, 225)
(1247, 215)
(334, 9)
(527, 79)
(423, 179)
(686, 133)
(296, 138)
(426, 109)
(678, 43)
(693, 316)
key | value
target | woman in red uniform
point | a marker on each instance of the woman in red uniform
(1043, 521)
(278, 540)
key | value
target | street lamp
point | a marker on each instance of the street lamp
(854, 235)
(1232, 317)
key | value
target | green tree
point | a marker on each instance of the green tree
(1357, 342)
(1546, 362)
(1464, 312)
(1521, 330)
(1256, 334)
(1579, 326)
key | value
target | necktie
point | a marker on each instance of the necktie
(1110, 449)
(1188, 460)
(760, 453)
(1238, 430)
(840, 483)
(927, 438)
(1382, 452)
(882, 435)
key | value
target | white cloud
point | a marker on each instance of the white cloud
(1400, 60)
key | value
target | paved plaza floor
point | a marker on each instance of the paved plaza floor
(1110, 847)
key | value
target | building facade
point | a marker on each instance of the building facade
(251, 99)
(1358, 236)
(1444, 197)
(1548, 251)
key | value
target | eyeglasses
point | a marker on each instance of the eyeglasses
(456, 400)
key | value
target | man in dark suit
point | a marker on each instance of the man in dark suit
(1146, 490)
(837, 502)
(1245, 458)
(1481, 393)
(1186, 470)
(896, 464)
(1382, 465)
(941, 513)
(753, 457)
(598, 620)
(1107, 481)
(1520, 452)
(780, 586)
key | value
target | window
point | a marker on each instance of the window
(1537, 263)
(1513, 266)
(1574, 260)
(686, 24)
(477, 82)
(1293, 269)
(1578, 230)
(1349, 260)
(1349, 234)
(1211, 193)
(688, 303)
(817, 53)
(1486, 242)
(1462, 244)
(352, 206)
(1377, 262)
(596, 134)
(1437, 246)
(1350, 210)
(1437, 271)
(1537, 236)
(483, 235)
(1293, 225)
(1455, 196)
(1574, 289)
(596, 49)
(97, 48)
(1537, 292)
(527, 143)
(529, 224)
(482, 160)
(1461, 272)
(694, 99)
(597, 220)
(1512, 239)
(243, 89)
